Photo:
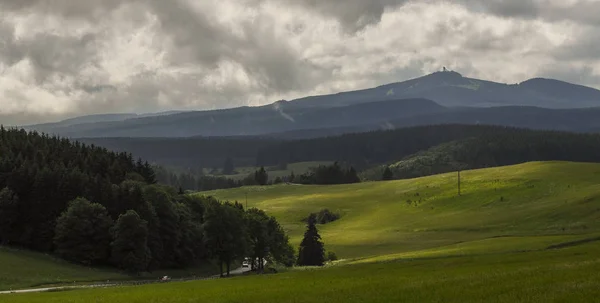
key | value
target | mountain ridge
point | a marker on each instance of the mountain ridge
(448, 90)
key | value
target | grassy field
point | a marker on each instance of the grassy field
(570, 274)
(25, 269)
(21, 269)
(381, 218)
(525, 233)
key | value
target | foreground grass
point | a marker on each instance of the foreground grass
(383, 218)
(570, 274)
(22, 269)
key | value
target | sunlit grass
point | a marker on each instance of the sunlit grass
(380, 218)
(570, 274)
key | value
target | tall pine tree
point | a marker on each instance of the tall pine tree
(312, 251)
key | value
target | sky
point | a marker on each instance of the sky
(65, 58)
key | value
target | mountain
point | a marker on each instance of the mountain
(279, 116)
(93, 119)
(437, 98)
(450, 88)
(571, 120)
(88, 119)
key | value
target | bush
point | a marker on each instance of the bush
(331, 256)
(324, 216)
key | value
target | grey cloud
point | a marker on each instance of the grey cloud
(67, 8)
(585, 12)
(355, 14)
(584, 46)
(194, 48)
(583, 75)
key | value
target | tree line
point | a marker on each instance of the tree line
(513, 146)
(335, 173)
(95, 207)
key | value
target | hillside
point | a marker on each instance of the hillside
(441, 97)
(22, 269)
(380, 218)
(248, 121)
(363, 150)
(97, 208)
(450, 88)
(528, 232)
(571, 120)
(491, 150)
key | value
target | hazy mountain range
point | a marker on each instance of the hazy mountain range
(438, 98)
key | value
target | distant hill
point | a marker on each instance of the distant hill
(494, 149)
(93, 119)
(363, 150)
(250, 121)
(571, 120)
(441, 96)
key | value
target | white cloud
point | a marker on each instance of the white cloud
(149, 55)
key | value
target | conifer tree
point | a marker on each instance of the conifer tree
(261, 176)
(387, 174)
(312, 251)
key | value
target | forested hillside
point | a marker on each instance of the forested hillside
(95, 207)
(513, 146)
(361, 150)
(46, 172)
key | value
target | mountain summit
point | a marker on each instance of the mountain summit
(450, 88)
(440, 97)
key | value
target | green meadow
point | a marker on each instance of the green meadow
(524, 233)
(22, 269)
(382, 218)
(569, 274)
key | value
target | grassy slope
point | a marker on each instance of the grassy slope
(570, 274)
(20, 269)
(25, 269)
(444, 248)
(380, 218)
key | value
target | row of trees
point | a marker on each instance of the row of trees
(324, 175)
(161, 230)
(96, 207)
(200, 182)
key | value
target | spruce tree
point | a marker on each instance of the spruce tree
(387, 174)
(261, 176)
(312, 251)
(9, 215)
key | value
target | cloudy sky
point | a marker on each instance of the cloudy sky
(62, 58)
